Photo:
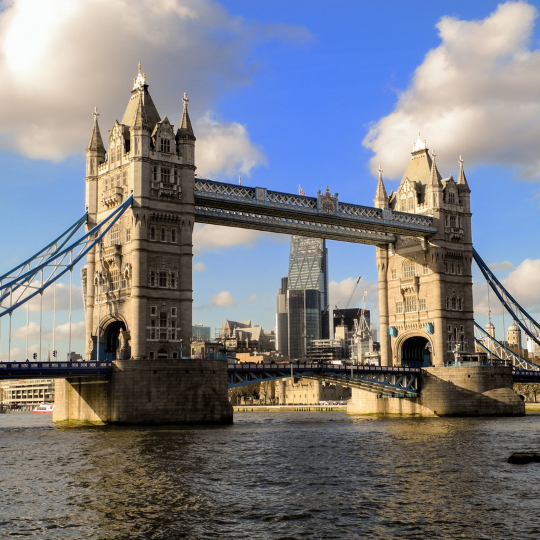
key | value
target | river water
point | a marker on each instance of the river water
(284, 475)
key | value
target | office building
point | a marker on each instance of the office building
(303, 298)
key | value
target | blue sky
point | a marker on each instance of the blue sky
(314, 93)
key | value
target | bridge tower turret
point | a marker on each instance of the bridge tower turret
(426, 285)
(139, 291)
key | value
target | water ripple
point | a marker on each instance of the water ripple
(271, 476)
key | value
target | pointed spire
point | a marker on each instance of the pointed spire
(462, 181)
(140, 81)
(381, 198)
(185, 131)
(96, 142)
(140, 119)
(435, 176)
(419, 144)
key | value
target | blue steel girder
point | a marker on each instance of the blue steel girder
(250, 220)
(17, 287)
(379, 379)
(528, 324)
(247, 206)
(52, 370)
(496, 349)
(526, 376)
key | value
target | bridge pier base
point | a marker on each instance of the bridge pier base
(148, 392)
(449, 391)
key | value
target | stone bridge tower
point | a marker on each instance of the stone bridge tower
(138, 282)
(138, 290)
(425, 287)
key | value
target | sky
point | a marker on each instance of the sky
(312, 93)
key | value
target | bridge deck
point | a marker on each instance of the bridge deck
(53, 370)
(220, 203)
(396, 378)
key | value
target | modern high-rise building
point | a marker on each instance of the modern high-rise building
(304, 309)
(282, 319)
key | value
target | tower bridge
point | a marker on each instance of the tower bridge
(143, 199)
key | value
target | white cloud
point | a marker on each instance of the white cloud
(504, 265)
(225, 148)
(476, 94)
(60, 58)
(340, 292)
(253, 298)
(199, 267)
(15, 355)
(210, 237)
(78, 332)
(523, 284)
(223, 299)
(62, 298)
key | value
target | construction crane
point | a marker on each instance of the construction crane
(348, 301)
(363, 334)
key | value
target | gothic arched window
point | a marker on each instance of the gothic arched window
(165, 145)
(409, 268)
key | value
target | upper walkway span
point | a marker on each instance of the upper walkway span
(391, 380)
(323, 216)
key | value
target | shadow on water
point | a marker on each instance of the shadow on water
(271, 475)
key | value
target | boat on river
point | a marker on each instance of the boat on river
(44, 408)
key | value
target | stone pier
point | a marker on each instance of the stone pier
(449, 391)
(148, 392)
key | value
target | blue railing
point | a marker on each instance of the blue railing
(52, 370)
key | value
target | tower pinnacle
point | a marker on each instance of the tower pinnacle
(381, 198)
(185, 131)
(462, 181)
(140, 81)
(96, 142)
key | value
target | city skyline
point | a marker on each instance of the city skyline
(297, 96)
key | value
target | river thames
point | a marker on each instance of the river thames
(284, 475)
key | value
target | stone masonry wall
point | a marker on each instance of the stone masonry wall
(148, 392)
(449, 391)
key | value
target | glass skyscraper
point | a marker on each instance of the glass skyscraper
(307, 294)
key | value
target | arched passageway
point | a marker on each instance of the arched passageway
(113, 339)
(416, 352)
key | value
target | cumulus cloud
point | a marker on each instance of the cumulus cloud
(211, 237)
(253, 298)
(223, 299)
(62, 298)
(60, 58)
(340, 292)
(504, 265)
(199, 267)
(476, 94)
(78, 332)
(225, 148)
(523, 284)
(16, 354)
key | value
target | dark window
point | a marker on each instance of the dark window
(165, 145)
(163, 279)
(163, 325)
(152, 279)
(165, 175)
